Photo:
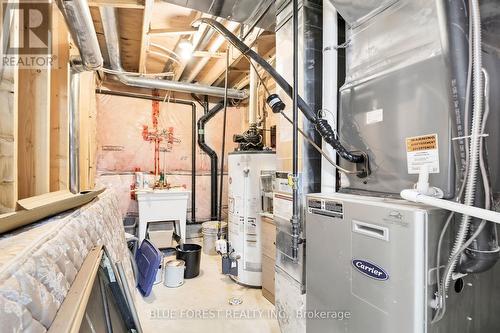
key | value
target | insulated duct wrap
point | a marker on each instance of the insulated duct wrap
(77, 16)
(110, 28)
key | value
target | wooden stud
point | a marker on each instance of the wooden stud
(194, 40)
(203, 54)
(244, 80)
(34, 128)
(268, 47)
(88, 145)
(212, 74)
(33, 137)
(59, 143)
(172, 31)
(8, 193)
(133, 4)
(8, 134)
(146, 21)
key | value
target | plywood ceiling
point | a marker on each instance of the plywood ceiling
(151, 31)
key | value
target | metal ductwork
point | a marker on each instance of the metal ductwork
(260, 13)
(77, 16)
(253, 101)
(110, 27)
(355, 12)
(74, 132)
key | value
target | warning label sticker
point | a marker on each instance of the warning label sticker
(422, 150)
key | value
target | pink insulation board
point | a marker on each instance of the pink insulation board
(121, 147)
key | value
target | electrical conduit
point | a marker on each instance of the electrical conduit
(475, 139)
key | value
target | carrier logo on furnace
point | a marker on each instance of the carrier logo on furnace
(371, 270)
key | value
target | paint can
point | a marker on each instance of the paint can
(174, 273)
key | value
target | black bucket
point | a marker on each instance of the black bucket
(191, 254)
(168, 251)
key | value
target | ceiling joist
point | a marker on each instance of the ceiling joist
(172, 31)
(244, 80)
(131, 4)
(216, 73)
(146, 21)
(208, 54)
(155, 43)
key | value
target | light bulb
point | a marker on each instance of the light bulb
(186, 49)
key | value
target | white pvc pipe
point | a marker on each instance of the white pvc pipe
(74, 132)
(330, 31)
(253, 99)
(480, 213)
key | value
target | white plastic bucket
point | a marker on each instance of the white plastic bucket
(209, 231)
(159, 274)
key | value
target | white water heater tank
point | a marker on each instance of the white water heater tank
(245, 206)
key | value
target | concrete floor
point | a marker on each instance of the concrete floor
(201, 305)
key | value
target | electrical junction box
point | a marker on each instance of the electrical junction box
(375, 258)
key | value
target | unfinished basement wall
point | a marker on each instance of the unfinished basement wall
(8, 190)
(87, 129)
(33, 119)
(121, 148)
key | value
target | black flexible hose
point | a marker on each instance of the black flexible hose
(321, 124)
(326, 131)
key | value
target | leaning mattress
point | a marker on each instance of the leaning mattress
(39, 262)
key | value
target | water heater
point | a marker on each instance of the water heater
(245, 205)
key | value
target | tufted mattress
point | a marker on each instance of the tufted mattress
(39, 262)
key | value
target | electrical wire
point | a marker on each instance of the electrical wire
(320, 114)
(219, 224)
(475, 140)
(487, 192)
(321, 125)
(459, 196)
